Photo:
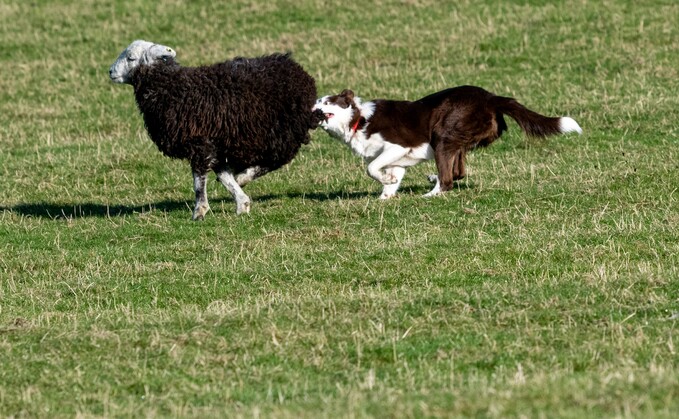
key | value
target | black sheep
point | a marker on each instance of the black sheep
(240, 118)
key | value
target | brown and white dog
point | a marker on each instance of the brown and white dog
(393, 135)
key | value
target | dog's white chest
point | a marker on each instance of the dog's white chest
(368, 148)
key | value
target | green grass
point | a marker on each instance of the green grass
(545, 285)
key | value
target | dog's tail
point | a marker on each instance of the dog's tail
(532, 123)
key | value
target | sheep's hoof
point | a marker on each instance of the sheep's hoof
(243, 208)
(199, 212)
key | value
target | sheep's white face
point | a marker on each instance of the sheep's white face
(138, 53)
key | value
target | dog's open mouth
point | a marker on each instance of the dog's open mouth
(329, 115)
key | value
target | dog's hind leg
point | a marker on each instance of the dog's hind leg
(390, 190)
(458, 165)
(458, 173)
(444, 154)
(437, 187)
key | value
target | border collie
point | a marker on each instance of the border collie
(393, 135)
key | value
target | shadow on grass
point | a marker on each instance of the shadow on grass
(314, 196)
(88, 209)
(416, 190)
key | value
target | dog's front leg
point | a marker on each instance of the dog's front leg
(388, 191)
(388, 156)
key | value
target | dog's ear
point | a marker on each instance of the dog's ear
(348, 94)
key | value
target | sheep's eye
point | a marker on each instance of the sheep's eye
(131, 58)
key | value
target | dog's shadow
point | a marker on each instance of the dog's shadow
(314, 196)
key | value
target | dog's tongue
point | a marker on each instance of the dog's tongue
(329, 115)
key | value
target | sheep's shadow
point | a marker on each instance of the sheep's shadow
(89, 209)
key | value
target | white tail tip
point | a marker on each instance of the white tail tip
(567, 124)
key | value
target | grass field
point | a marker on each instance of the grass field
(545, 285)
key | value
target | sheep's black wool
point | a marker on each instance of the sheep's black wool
(233, 115)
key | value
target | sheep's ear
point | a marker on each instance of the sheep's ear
(348, 94)
(160, 52)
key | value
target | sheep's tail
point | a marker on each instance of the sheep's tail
(532, 123)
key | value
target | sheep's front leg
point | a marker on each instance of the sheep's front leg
(242, 200)
(199, 186)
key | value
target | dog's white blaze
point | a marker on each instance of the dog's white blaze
(338, 124)
(567, 124)
(321, 100)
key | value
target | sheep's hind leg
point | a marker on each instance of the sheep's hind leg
(229, 181)
(199, 186)
(248, 175)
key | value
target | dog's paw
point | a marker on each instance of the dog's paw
(388, 179)
(432, 193)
